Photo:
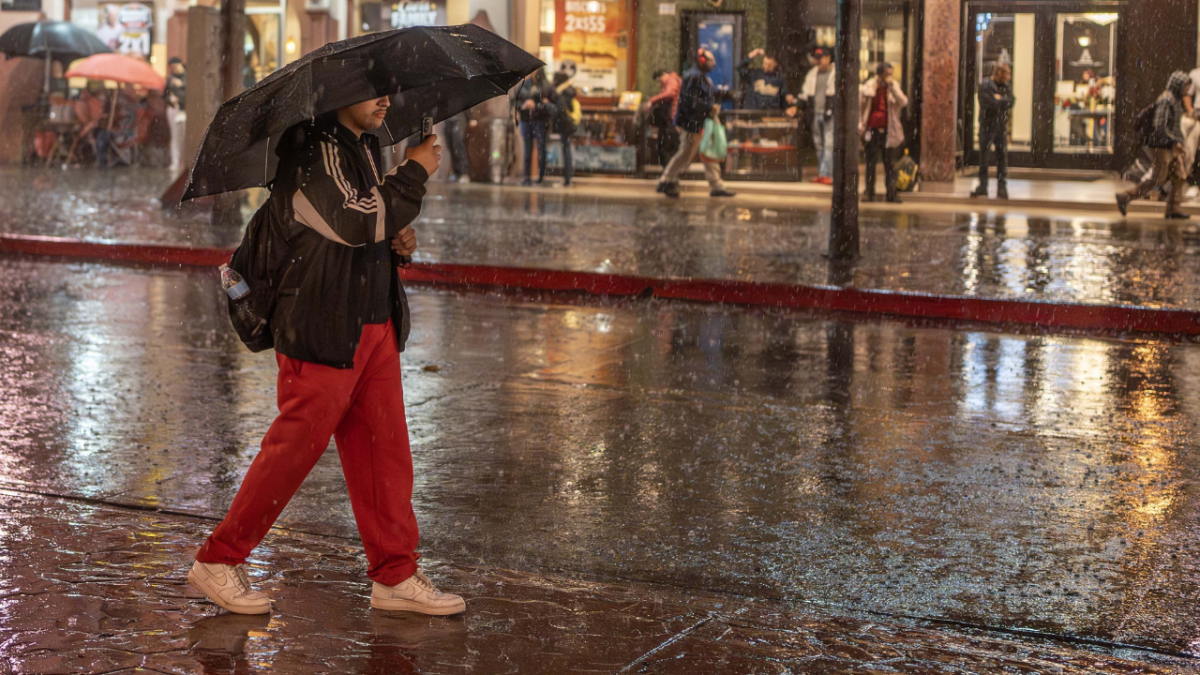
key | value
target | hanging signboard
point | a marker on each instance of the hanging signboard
(126, 27)
(587, 32)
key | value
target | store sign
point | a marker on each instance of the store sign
(21, 6)
(417, 13)
(127, 28)
(586, 32)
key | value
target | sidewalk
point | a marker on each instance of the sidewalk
(1092, 192)
(97, 588)
(601, 237)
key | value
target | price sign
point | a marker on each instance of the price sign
(586, 32)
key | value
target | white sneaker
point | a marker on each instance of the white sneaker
(229, 587)
(416, 594)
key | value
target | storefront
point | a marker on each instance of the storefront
(1066, 79)
(265, 44)
(590, 40)
(1083, 69)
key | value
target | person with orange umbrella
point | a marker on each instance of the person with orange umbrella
(126, 70)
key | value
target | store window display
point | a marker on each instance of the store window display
(1086, 88)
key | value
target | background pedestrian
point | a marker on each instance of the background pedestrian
(995, 103)
(697, 103)
(566, 119)
(662, 107)
(534, 109)
(176, 105)
(818, 92)
(456, 141)
(880, 102)
(766, 87)
(1165, 141)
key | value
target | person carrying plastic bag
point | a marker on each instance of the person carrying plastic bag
(697, 103)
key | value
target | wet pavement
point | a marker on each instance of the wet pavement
(980, 252)
(860, 469)
(94, 589)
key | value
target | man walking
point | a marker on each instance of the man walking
(340, 319)
(995, 102)
(697, 102)
(880, 102)
(818, 91)
(1165, 141)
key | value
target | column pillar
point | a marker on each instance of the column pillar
(939, 88)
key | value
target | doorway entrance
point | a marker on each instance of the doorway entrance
(720, 33)
(1063, 57)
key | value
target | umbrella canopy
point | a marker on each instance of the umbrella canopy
(118, 68)
(427, 71)
(56, 40)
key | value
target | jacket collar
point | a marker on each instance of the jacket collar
(337, 131)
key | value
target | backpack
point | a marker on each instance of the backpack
(262, 250)
(1143, 122)
(576, 112)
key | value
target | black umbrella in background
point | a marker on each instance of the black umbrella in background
(428, 71)
(60, 41)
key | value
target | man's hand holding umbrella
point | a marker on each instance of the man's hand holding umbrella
(429, 155)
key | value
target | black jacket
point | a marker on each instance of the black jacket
(764, 91)
(1168, 111)
(542, 95)
(307, 252)
(177, 91)
(993, 112)
(564, 98)
(696, 99)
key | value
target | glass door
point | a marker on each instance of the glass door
(1007, 39)
(722, 35)
(1064, 78)
(1085, 82)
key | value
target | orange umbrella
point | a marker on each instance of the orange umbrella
(118, 68)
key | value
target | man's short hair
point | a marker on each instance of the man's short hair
(658, 73)
(1001, 67)
(173, 60)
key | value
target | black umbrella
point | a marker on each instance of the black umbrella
(50, 40)
(428, 71)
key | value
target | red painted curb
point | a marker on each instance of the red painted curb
(893, 303)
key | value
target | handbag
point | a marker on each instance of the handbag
(713, 145)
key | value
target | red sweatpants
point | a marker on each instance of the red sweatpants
(363, 409)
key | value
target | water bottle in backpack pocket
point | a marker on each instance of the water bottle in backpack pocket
(245, 320)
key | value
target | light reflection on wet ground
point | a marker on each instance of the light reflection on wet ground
(1038, 482)
(1076, 258)
(96, 589)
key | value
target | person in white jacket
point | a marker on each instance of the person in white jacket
(818, 91)
(879, 105)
